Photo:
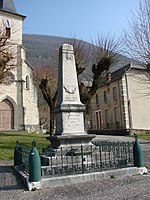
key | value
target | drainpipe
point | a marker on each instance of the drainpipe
(120, 102)
(19, 81)
(129, 105)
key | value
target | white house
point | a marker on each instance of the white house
(123, 102)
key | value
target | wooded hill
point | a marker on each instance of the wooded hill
(43, 50)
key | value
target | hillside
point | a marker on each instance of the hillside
(40, 47)
(41, 50)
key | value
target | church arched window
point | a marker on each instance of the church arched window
(27, 83)
(8, 32)
(8, 25)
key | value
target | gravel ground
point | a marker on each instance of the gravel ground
(123, 188)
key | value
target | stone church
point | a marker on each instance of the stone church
(18, 94)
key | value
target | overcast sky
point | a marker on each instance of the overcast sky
(83, 18)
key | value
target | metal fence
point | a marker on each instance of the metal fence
(21, 156)
(99, 156)
(84, 159)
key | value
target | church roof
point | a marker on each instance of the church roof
(9, 6)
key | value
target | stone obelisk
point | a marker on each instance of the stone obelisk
(69, 109)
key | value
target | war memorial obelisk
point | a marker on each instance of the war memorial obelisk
(69, 109)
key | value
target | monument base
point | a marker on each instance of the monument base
(66, 145)
(70, 140)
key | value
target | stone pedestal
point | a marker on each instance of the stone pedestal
(70, 140)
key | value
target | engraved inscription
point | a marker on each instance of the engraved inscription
(73, 121)
(71, 98)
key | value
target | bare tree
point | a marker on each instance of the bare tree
(6, 57)
(105, 52)
(137, 38)
(45, 78)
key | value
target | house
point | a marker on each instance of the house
(18, 94)
(123, 103)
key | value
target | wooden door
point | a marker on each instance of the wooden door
(6, 115)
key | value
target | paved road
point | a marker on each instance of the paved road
(125, 188)
(113, 138)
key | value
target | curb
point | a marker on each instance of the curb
(74, 179)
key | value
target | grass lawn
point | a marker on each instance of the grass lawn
(8, 142)
(144, 136)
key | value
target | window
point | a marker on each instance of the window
(114, 93)
(107, 118)
(8, 32)
(105, 96)
(99, 119)
(27, 83)
(97, 99)
(116, 115)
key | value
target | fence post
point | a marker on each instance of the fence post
(34, 164)
(137, 154)
(17, 154)
(82, 159)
